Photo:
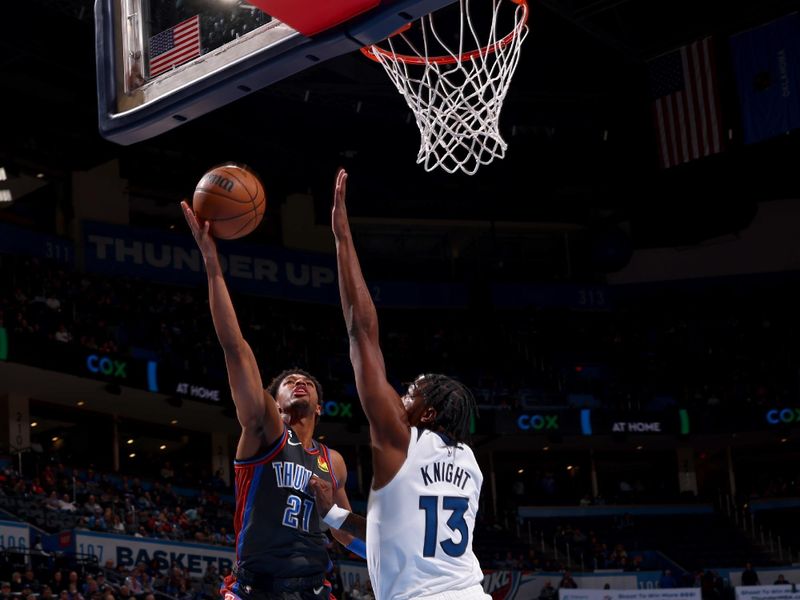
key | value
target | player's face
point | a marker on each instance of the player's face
(298, 393)
(414, 403)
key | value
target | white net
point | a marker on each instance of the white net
(456, 97)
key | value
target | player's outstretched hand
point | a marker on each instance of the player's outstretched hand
(201, 233)
(339, 222)
(323, 494)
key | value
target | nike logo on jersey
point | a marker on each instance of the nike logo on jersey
(291, 475)
(318, 591)
(444, 472)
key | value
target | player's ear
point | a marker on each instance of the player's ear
(428, 415)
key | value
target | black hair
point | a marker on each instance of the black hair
(454, 404)
(273, 386)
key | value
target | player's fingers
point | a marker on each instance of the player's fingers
(341, 178)
(190, 217)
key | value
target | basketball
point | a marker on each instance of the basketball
(231, 197)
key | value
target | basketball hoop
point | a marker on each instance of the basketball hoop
(456, 95)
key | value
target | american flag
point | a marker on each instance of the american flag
(174, 46)
(686, 109)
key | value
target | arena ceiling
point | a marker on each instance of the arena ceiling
(582, 150)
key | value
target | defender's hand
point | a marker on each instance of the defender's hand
(339, 222)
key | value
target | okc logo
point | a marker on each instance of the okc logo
(323, 466)
(501, 584)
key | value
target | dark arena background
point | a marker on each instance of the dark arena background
(621, 292)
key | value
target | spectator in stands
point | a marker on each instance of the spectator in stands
(57, 582)
(46, 593)
(548, 592)
(52, 501)
(36, 487)
(117, 526)
(749, 575)
(30, 581)
(66, 504)
(708, 587)
(781, 580)
(102, 585)
(567, 582)
(89, 587)
(63, 335)
(667, 580)
(355, 591)
(5, 591)
(16, 582)
(91, 507)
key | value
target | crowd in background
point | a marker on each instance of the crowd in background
(714, 346)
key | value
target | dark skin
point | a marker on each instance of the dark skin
(261, 416)
(390, 416)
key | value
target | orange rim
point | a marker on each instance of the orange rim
(373, 52)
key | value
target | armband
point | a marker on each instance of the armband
(358, 547)
(335, 516)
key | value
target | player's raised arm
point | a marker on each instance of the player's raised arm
(387, 418)
(258, 416)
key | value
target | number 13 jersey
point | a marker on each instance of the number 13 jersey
(420, 525)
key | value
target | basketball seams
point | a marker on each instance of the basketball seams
(240, 215)
(241, 183)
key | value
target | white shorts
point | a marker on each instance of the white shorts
(471, 593)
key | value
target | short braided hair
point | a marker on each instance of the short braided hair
(454, 404)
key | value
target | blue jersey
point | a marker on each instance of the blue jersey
(278, 530)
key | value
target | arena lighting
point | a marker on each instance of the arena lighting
(162, 447)
(81, 402)
(132, 455)
(520, 471)
(5, 196)
(54, 439)
(130, 441)
(546, 448)
(639, 447)
(34, 424)
(3, 175)
(173, 422)
(784, 440)
(570, 467)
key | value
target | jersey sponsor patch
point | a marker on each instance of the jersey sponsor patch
(323, 466)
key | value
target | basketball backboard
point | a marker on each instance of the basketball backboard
(161, 63)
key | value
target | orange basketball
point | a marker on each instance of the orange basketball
(232, 198)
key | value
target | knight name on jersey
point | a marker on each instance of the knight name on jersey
(439, 471)
(291, 475)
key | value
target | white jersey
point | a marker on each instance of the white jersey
(420, 525)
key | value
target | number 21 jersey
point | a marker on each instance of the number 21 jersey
(420, 525)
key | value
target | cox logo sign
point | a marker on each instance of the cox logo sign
(107, 366)
(537, 422)
(337, 409)
(783, 415)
